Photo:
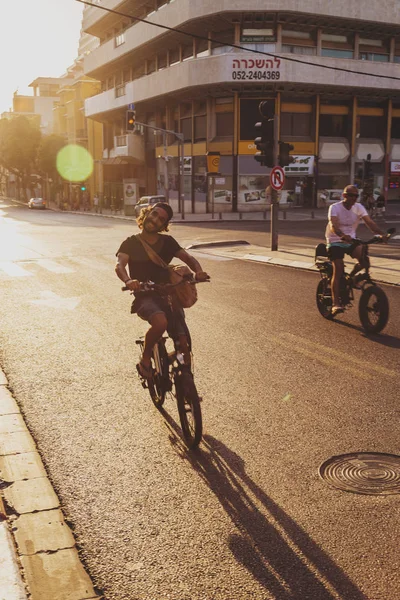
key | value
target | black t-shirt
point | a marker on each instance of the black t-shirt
(141, 267)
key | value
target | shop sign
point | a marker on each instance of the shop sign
(130, 193)
(256, 69)
(395, 168)
(302, 165)
(187, 165)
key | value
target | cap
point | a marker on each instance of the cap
(165, 207)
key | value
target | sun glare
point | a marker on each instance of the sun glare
(74, 163)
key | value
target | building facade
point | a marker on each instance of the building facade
(332, 71)
(71, 123)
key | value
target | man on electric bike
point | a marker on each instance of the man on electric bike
(150, 307)
(343, 220)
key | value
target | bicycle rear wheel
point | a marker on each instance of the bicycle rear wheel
(373, 309)
(189, 409)
(158, 384)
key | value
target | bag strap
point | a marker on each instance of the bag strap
(154, 257)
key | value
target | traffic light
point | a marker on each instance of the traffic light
(264, 142)
(130, 120)
(83, 188)
(368, 172)
(284, 158)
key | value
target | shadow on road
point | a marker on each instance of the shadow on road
(278, 553)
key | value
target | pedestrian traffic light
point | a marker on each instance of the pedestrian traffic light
(130, 120)
(83, 188)
(368, 172)
(264, 142)
(284, 157)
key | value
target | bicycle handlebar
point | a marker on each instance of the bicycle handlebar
(150, 286)
(377, 239)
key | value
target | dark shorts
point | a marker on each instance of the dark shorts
(147, 306)
(336, 252)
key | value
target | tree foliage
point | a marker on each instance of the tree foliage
(49, 147)
(19, 143)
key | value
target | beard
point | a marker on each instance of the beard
(149, 226)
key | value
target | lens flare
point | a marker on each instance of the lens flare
(74, 163)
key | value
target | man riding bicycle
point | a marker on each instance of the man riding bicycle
(151, 307)
(343, 220)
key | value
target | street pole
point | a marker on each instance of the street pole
(274, 193)
(212, 195)
(182, 186)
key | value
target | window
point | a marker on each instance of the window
(200, 128)
(187, 52)
(334, 53)
(202, 48)
(374, 57)
(162, 61)
(333, 125)
(151, 66)
(296, 125)
(224, 124)
(258, 35)
(174, 56)
(186, 129)
(396, 128)
(120, 90)
(249, 116)
(119, 39)
(299, 49)
(227, 38)
(372, 127)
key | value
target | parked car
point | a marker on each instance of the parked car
(146, 201)
(37, 203)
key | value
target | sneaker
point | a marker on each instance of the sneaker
(336, 310)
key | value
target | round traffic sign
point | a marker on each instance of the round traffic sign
(277, 178)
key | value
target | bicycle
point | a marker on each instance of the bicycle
(170, 371)
(373, 308)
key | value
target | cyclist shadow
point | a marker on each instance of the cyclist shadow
(268, 543)
(379, 338)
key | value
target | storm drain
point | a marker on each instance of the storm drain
(375, 474)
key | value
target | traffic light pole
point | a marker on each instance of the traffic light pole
(274, 193)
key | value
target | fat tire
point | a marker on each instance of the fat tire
(322, 289)
(189, 403)
(381, 304)
(157, 383)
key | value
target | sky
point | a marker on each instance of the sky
(39, 38)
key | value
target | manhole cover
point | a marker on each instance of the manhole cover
(363, 473)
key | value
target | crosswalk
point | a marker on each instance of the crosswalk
(62, 266)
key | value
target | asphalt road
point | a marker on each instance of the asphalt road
(247, 516)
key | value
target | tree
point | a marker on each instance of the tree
(19, 142)
(50, 146)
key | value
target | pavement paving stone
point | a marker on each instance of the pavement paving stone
(57, 576)
(33, 494)
(12, 423)
(16, 467)
(8, 406)
(11, 584)
(16, 443)
(42, 532)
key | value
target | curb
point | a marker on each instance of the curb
(41, 550)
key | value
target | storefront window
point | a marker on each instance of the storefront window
(333, 125)
(224, 124)
(200, 128)
(296, 125)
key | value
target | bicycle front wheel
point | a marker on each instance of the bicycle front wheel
(189, 409)
(324, 298)
(373, 309)
(158, 383)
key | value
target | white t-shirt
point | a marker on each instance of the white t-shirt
(348, 220)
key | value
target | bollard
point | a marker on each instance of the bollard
(284, 215)
(240, 216)
(312, 214)
(265, 214)
(220, 216)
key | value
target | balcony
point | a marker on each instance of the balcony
(246, 70)
(129, 147)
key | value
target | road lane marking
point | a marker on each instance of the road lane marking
(51, 300)
(14, 270)
(330, 362)
(52, 266)
(343, 356)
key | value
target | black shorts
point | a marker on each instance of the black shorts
(148, 305)
(336, 252)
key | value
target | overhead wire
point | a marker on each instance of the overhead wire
(237, 46)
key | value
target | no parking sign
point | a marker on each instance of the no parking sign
(277, 178)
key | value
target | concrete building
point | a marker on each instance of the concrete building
(209, 91)
(39, 106)
(70, 122)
